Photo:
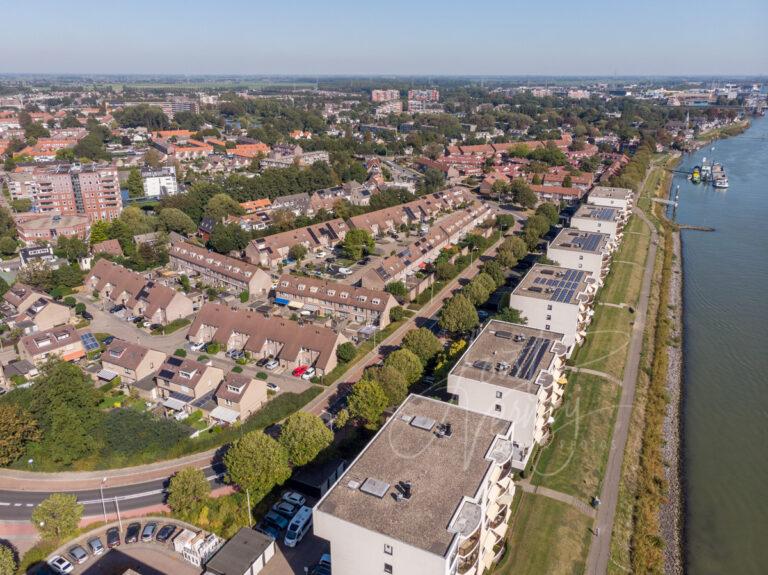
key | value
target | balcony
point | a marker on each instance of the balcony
(469, 546)
(467, 564)
(500, 517)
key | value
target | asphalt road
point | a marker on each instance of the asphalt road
(19, 505)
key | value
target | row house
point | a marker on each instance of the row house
(557, 194)
(117, 285)
(185, 384)
(557, 177)
(236, 398)
(287, 341)
(62, 342)
(30, 310)
(514, 372)
(271, 250)
(430, 494)
(332, 299)
(130, 361)
(556, 299)
(218, 270)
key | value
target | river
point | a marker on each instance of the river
(725, 389)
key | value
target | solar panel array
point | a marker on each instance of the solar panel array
(89, 342)
(528, 360)
(587, 243)
(563, 287)
(602, 213)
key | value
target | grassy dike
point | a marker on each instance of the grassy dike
(636, 545)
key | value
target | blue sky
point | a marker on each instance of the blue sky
(545, 37)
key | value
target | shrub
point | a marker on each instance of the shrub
(237, 369)
(346, 352)
(244, 296)
(213, 347)
(180, 352)
(261, 375)
(396, 313)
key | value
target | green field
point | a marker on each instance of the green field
(574, 461)
(546, 537)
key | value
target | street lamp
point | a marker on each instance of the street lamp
(103, 504)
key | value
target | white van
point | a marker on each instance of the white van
(298, 527)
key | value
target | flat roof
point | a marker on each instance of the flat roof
(553, 283)
(580, 241)
(239, 553)
(442, 471)
(612, 193)
(511, 355)
(602, 213)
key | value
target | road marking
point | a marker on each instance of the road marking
(30, 504)
(137, 495)
(3, 504)
(17, 504)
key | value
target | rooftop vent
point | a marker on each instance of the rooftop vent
(406, 418)
(444, 430)
(375, 487)
(353, 484)
(519, 337)
(504, 334)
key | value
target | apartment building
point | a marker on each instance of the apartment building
(120, 286)
(271, 250)
(97, 191)
(589, 251)
(591, 218)
(358, 304)
(219, 270)
(429, 495)
(63, 342)
(159, 183)
(35, 228)
(622, 198)
(237, 398)
(49, 190)
(514, 372)
(182, 382)
(424, 95)
(386, 108)
(287, 341)
(384, 95)
(556, 299)
(131, 361)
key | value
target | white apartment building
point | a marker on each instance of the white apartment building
(429, 495)
(160, 183)
(622, 198)
(515, 372)
(556, 299)
(591, 218)
(589, 251)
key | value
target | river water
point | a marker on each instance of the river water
(725, 389)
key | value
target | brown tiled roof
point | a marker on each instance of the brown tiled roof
(259, 329)
(125, 354)
(108, 247)
(18, 293)
(236, 380)
(334, 292)
(55, 338)
(231, 267)
(173, 366)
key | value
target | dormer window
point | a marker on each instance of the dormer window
(187, 374)
(313, 289)
(284, 284)
(233, 389)
(343, 295)
(375, 301)
(331, 292)
(302, 287)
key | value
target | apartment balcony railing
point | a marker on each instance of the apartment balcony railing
(500, 516)
(466, 564)
(470, 545)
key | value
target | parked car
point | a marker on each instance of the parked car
(269, 530)
(132, 533)
(346, 271)
(113, 537)
(165, 533)
(95, 545)
(196, 346)
(262, 362)
(60, 565)
(117, 309)
(273, 386)
(78, 554)
(87, 315)
(320, 253)
(287, 510)
(299, 371)
(149, 531)
(109, 339)
(276, 520)
(235, 354)
(271, 364)
(309, 373)
(294, 497)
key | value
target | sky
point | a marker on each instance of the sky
(389, 37)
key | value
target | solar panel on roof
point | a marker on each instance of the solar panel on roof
(89, 342)
(535, 358)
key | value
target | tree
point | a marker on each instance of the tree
(228, 238)
(423, 343)
(496, 271)
(522, 195)
(367, 402)
(245, 295)
(567, 181)
(8, 563)
(342, 418)
(8, 246)
(396, 313)
(358, 242)
(407, 363)
(174, 220)
(397, 289)
(346, 352)
(550, 212)
(21, 205)
(58, 516)
(91, 148)
(36, 130)
(476, 292)
(297, 252)
(458, 315)
(152, 158)
(135, 184)
(220, 206)
(258, 463)
(391, 381)
(486, 281)
(71, 248)
(511, 315)
(100, 231)
(303, 436)
(445, 270)
(17, 430)
(187, 492)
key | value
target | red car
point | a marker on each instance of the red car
(299, 371)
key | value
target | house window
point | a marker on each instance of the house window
(549, 307)
(497, 408)
(581, 257)
(549, 317)
(546, 327)
(498, 395)
(387, 549)
(387, 568)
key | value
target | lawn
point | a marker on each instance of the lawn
(605, 347)
(574, 461)
(626, 276)
(546, 536)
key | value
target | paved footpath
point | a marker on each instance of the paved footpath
(608, 376)
(600, 550)
(574, 502)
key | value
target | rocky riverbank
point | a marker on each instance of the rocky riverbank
(671, 512)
